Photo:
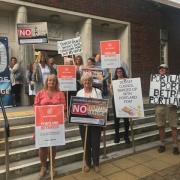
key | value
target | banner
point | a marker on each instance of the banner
(5, 84)
(69, 47)
(49, 126)
(128, 97)
(67, 77)
(97, 75)
(88, 111)
(110, 54)
(32, 33)
(164, 89)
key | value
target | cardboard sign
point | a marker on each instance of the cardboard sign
(67, 77)
(88, 111)
(49, 125)
(97, 75)
(32, 33)
(164, 89)
(69, 47)
(110, 54)
(128, 97)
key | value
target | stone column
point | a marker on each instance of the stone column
(22, 51)
(86, 39)
(124, 36)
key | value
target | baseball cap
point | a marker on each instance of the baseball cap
(163, 66)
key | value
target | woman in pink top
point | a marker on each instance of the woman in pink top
(50, 95)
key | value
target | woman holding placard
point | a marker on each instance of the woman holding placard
(50, 95)
(92, 141)
(120, 74)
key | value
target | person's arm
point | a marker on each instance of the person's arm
(15, 68)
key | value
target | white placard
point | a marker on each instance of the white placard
(164, 89)
(49, 126)
(69, 47)
(128, 97)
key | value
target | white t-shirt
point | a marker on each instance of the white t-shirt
(45, 72)
(96, 93)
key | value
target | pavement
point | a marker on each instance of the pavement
(144, 165)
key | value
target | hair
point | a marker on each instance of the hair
(123, 71)
(79, 57)
(40, 54)
(56, 79)
(92, 59)
(86, 76)
(13, 58)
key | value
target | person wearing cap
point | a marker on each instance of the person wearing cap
(165, 112)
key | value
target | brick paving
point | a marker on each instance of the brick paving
(170, 173)
(146, 165)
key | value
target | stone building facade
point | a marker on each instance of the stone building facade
(149, 31)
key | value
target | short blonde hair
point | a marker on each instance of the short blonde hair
(86, 76)
(56, 80)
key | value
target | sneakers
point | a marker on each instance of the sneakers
(161, 149)
(175, 150)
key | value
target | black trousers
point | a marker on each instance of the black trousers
(117, 126)
(16, 91)
(92, 143)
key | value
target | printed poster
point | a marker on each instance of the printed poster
(5, 84)
(67, 77)
(89, 111)
(32, 33)
(164, 89)
(110, 54)
(49, 126)
(128, 98)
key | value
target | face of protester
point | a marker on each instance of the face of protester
(78, 61)
(87, 83)
(42, 59)
(163, 71)
(51, 61)
(89, 63)
(13, 61)
(119, 73)
(98, 58)
(51, 83)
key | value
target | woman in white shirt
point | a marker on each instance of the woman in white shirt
(94, 132)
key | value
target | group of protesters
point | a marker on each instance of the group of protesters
(42, 78)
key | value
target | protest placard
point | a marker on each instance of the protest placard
(69, 47)
(49, 125)
(67, 77)
(88, 111)
(164, 89)
(97, 75)
(110, 54)
(32, 33)
(128, 97)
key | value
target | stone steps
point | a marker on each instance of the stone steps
(24, 156)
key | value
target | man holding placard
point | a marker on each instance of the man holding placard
(164, 112)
